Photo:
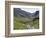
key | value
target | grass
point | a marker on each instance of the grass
(18, 24)
(22, 24)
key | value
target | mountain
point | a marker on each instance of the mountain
(36, 14)
(25, 20)
(21, 13)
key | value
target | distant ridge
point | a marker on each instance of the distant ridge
(21, 13)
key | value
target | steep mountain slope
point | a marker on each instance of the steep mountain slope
(25, 20)
(21, 13)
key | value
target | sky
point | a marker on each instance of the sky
(31, 10)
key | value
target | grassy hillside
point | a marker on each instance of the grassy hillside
(20, 23)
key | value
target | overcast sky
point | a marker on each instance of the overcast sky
(31, 10)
